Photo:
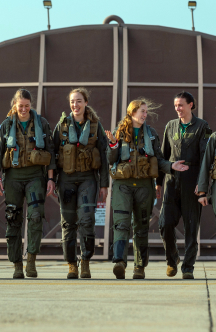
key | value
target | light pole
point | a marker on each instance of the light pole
(48, 5)
(192, 7)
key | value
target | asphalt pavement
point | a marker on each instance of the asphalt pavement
(158, 303)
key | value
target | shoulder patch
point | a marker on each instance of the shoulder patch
(176, 137)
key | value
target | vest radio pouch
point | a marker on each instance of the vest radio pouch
(96, 159)
(84, 160)
(6, 161)
(88, 159)
(153, 169)
(69, 161)
(40, 157)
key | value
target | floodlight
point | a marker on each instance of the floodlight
(192, 7)
(48, 5)
(191, 4)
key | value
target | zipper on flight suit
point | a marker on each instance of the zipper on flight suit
(137, 153)
(24, 148)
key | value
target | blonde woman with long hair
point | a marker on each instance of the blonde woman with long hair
(26, 155)
(135, 156)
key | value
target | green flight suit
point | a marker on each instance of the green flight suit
(78, 194)
(208, 160)
(179, 198)
(134, 195)
(25, 182)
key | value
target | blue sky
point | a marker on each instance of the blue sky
(22, 17)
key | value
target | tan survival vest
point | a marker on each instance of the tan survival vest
(213, 170)
(77, 157)
(28, 154)
(138, 166)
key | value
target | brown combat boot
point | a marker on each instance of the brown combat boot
(138, 272)
(172, 270)
(85, 271)
(119, 270)
(18, 273)
(73, 271)
(30, 266)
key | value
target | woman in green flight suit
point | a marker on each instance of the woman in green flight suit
(80, 143)
(184, 138)
(134, 151)
(26, 146)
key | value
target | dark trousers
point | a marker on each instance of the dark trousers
(78, 196)
(125, 201)
(15, 191)
(177, 203)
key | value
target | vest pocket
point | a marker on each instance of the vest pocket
(143, 166)
(96, 159)
(84, 160)
(69, 162)
(123, 171)
(213, 174)
(153, 169)
(40, 157)
(212, 171)
(6, 161)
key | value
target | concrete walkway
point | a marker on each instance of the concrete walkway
(158, 303)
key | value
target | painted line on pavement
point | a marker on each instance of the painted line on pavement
(105, 284)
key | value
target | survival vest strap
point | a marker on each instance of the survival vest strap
(68, 133)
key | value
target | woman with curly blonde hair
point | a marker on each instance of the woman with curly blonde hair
(135, 156)
(80, 143)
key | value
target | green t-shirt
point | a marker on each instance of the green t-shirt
(183, 127)
(78, 125)
(24, 124)
(136, 132)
